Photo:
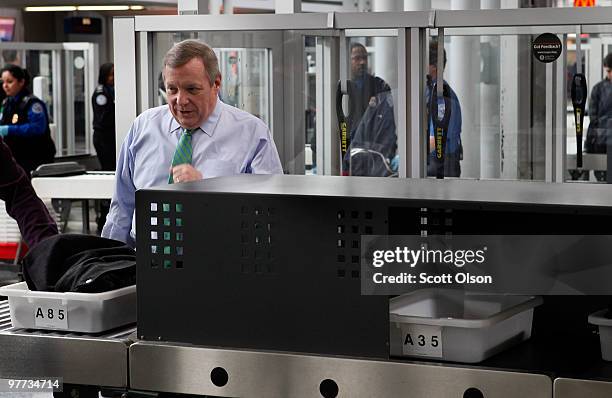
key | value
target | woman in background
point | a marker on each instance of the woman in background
(103, 103)
(24, 121)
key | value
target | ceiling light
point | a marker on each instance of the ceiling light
(103, 8)
(84, 8)
(51, 8)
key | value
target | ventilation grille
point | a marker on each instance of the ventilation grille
(350, 225)
(436, 221)
(256, 240)
(166, 235)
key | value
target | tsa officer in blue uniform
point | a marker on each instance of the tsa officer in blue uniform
(103, 103)
(24, 121)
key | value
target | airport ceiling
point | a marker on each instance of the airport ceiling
(30, 3)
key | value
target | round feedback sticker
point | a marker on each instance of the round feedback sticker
(546, 48)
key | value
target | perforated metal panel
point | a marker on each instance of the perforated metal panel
(258, 271)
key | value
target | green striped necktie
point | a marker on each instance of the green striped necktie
(183, 152)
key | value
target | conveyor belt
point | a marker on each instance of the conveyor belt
(79, 358)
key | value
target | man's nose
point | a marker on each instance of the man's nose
(182, 98)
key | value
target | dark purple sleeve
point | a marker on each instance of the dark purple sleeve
(35, 222)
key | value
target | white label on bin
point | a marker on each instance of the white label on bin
(422, 340)
(51, 315)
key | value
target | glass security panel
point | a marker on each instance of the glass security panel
(244, 85)
(39, 64)
(245, 69)
(597, 120)
(277, 76)
(78, 66)
(310, 99)
(496, 92)
(368, 139)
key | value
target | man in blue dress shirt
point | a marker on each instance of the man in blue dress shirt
(224, 140)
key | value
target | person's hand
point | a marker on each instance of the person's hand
(184, 173)
(4, 130)
(395, 163)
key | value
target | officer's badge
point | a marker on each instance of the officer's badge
(101, 100)
(15, 118)
(37, 108)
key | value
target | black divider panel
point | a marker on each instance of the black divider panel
(267, 272)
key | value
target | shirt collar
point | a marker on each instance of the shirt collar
(208, 126)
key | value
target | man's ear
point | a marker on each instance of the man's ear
(217, 83)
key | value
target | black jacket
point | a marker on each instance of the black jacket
(103, 103)
(79, 263)
(361, 90)
(600, 117)
(31, 214)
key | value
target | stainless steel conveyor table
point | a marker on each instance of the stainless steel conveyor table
(97, 360)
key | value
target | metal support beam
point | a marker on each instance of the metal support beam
(145, 73)
(403, 102)
(560, 126)
(287, 6)
(192, 7)
(549, 142)
(415, 145)
(328, 146)
(125, 76)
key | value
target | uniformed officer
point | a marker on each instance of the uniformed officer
(24, 121)
(103, 102)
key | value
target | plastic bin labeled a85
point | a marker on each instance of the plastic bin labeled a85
(422, 340)
(51, 315)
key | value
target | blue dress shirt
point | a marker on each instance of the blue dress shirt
(229, 142)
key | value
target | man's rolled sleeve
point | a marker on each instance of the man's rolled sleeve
(266, 159)
(119, 219)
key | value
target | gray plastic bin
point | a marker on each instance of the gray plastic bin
(605, 332)
(454, 326)
(75, 312)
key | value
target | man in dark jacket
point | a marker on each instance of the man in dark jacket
(371, 121)
(600, 115)
(35, 222)
(453, 154)
(364, 86)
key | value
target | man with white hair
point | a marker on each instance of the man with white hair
(195, 136)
